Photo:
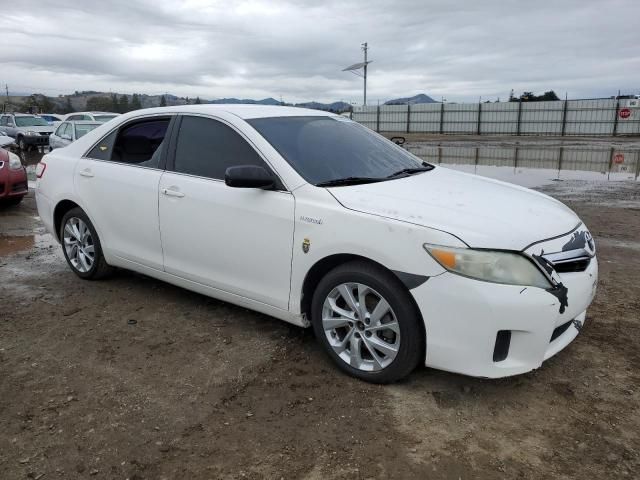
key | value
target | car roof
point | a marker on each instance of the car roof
(83, 122)
(243, 111)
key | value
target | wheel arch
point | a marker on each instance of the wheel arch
(328, 263)
(61, 208)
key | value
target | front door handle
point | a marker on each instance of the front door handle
(172, 193)
(86, 173)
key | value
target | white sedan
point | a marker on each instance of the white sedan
(318, 221)
(69, 132)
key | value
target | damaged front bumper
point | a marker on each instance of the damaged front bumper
(493, 330)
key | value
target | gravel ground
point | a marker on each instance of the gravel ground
(133, 378)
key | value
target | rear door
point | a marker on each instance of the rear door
(234, 239)
(118, 183)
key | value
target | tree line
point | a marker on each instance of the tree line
(113, 103)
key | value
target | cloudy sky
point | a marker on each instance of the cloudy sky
(296, 49)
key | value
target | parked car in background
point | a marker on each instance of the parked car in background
(51, 118)
(13, 178)
(317, 220)
(69, 132)
(27, 130)
(101, 117)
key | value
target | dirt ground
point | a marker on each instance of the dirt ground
(132, 378)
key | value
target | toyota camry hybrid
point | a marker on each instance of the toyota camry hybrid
(318, 221)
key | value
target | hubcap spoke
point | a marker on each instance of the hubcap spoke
(355, 353)
(329, 323)
(381, 309)
(347, 295)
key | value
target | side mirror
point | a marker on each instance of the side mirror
(248, 176)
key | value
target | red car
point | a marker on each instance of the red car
(13, 178)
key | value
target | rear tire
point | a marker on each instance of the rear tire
(368, 323)
(81, 246)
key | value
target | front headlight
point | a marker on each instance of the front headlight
(14, 162)
(488, 265)
(31, 133)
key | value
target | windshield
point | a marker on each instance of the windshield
(326, 149)
(83, 128)
(31, 122)
(103, 118)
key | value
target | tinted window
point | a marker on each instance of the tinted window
(139, 143)
(207, 148)
(323, 149)
(103, 150)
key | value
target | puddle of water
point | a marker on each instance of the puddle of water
(10, 245)
(533, 166)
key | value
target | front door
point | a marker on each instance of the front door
(237, 240)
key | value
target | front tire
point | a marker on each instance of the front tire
(22, 144)
(367, 322)
(81, 246)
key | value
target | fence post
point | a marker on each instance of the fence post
(560, 160)
(610, 160)
(378, 119)
(479, 115)
(408, 117)
(615, 117)
(519, 116)
(564, 117)
(637, 165)
(351, 114)
(439, 154)
(441, 118)
(475, 168)
(515, 159)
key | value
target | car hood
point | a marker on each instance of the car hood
(39, 129)
(482, 212)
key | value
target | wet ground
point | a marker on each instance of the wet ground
(132, 378)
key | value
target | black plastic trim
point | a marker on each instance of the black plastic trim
(410, 280)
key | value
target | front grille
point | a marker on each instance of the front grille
(19, 187)
(560, 330)
(569, 261)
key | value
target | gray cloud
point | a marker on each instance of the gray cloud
(459, 50)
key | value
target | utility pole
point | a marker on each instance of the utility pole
(365, 47)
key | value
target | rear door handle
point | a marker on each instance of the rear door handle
(86, 173)
(172, 193)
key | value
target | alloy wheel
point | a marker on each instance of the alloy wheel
(78, 244)
(361, 327)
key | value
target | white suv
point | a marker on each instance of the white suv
(316, 220)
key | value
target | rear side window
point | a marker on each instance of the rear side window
(139, 143)
(207, 147)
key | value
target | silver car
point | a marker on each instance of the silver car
(69, 132)
(27, 130)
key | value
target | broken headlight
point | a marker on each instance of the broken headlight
(489, 265)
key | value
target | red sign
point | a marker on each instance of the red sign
(618, 158)
(625, 113)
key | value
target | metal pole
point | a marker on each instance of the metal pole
(515, 160)
(365, 48)
(560, 160)
(439, 154)
(564, 117)
(637, 165)
(479, 115)
(408, 117)
(610, 162)
(519, 117)
(615, 116)
(441, 118)
(378, 119)
(475, 168)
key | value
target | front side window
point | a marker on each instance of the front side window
(61, 129)
(207, 147)
(83, 128)
(31, 122)
(327, 149)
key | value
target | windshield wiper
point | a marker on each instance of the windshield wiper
(411, 171)
(348, 181)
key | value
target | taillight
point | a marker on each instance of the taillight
(40, 168)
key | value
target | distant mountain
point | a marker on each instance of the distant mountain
(247, 101)
(328, 107)
(420, 98)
